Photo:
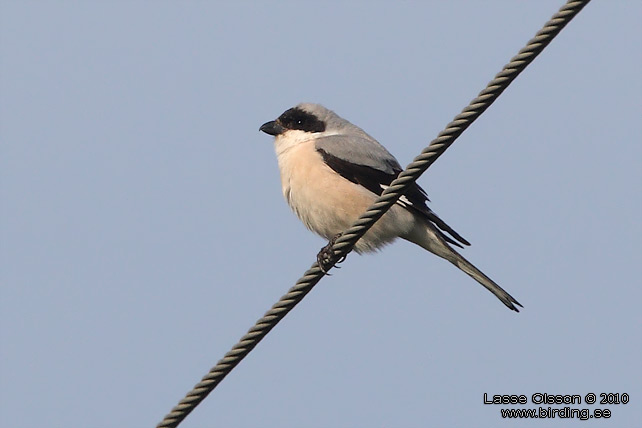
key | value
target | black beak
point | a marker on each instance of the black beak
(272, 128)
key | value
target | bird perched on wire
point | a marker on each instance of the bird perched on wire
(332, 172)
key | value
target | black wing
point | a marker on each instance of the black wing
(376, 181)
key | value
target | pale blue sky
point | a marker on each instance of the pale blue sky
(143, 231)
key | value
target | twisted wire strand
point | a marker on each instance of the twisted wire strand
(343, 245)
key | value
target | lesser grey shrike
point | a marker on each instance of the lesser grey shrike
(332, 172)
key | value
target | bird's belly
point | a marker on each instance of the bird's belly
(328, 204)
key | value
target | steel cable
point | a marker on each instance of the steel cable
(343, 245)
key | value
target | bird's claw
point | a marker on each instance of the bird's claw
(326, 256)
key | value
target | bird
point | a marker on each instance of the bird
(332, 171)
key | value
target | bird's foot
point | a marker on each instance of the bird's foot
(326, 256)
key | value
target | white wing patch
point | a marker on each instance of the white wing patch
(403, 201)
